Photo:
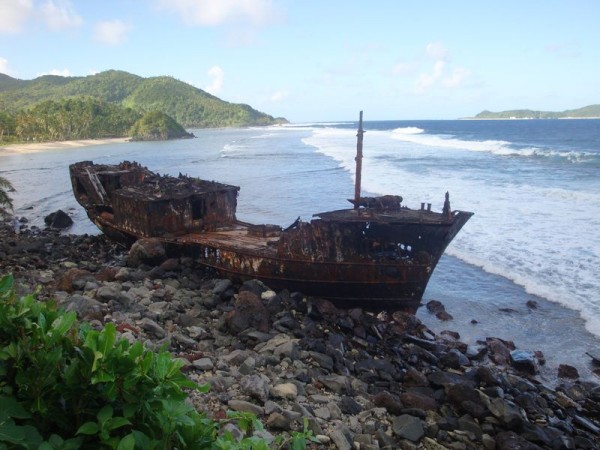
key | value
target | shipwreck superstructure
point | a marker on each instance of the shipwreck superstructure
(377, 253)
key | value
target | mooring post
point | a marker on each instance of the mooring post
(358, 159)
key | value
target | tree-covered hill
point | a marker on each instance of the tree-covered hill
(587, 112)
(157, 126)
(190, 106)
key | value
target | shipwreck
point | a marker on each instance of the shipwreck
(378, 253)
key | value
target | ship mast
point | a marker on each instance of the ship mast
(358, 159)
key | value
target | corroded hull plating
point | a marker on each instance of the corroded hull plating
(350, 272)
(377, 254)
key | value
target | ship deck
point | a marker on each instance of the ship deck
(401, 216)
(237, 237)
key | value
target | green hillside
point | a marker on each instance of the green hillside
(587, 112)
(189, 106)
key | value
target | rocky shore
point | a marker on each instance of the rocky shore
(356, 379)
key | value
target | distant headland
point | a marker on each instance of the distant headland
(587, 112)
(113, 104)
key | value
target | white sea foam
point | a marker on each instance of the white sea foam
(497, 147)
(541, 235)
(408, 130)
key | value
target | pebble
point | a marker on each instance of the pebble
(358, 380)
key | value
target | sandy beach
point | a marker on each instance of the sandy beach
(55, 145)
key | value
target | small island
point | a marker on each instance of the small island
(157, 126)
(587, 112)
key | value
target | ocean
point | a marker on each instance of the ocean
(533, 185)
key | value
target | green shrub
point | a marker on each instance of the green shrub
(67, 386)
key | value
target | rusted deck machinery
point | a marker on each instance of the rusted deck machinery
(378, 253)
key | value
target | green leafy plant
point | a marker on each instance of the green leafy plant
(67, 386)
(299, 439)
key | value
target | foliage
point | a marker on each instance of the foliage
(190, 106)
(73, 118)
(592, 111)
(5, 200)
(68, 386)
(155, 125)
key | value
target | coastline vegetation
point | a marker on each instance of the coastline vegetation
(108, 104)
(157, 126)
(5, 200)
(587, 112)
(65, 385)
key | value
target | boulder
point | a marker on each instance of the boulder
(524, 361)
(248, 312)
(146, 251)
(58, 219)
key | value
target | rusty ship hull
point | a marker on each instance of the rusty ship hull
(381, 254)
(378, 253)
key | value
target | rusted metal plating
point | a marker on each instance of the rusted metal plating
(377, 253)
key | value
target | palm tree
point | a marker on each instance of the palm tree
(5, 200)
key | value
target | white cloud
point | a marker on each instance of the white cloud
(279, 96)
(60, 73)
(218, 12)
(217, 75)
(111, 32)
(403, 68)
(427, 80)
(457, 78)
(13, 14)
(4, 66)
(440, 74)
(60, 15)
(437, 51)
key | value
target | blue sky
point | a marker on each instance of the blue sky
(324, 60)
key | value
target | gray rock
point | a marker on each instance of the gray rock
(90, 286)
(284, 390)
(507, 412)
(340, 438)
(107, 293)
(58, 219)
(455, 359)
(349, 406)
(509, 440)
(125, 299)
(524, 361)
(248, 366)
(323, 413)
(184, 341)
(85, 307)
(335, 411)
(152, 327)
(390, 402)
(196, 332)
(277, 421)
(236, 357)
(322, 360)
(335, 383)
(244, 406)
(204, 364)
(567, 371)
(256, 386)
(148, 251)
(288, 349)
(248, 312)
(408, 427)
(221, 286)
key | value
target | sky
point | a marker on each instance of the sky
(324, 60)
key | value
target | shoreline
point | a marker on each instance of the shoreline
(35, 147)
(385, 381)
